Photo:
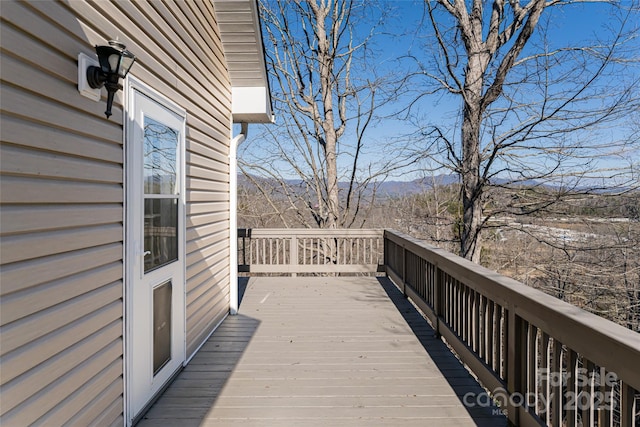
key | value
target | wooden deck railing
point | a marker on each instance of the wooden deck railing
(546, 362)
(293, 251)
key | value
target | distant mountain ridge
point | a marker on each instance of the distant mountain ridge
(390, 188)
(416, 186)
(394, 188)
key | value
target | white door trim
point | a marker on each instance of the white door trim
(132, 246)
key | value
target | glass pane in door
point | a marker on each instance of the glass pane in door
(160, 232)
(160, 158)
(161, 193)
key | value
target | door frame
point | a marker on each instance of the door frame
(131, 246)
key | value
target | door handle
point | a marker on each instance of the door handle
(145, 253)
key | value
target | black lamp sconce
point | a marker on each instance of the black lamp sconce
(115, 62)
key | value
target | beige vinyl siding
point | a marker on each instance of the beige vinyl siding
(61, 306)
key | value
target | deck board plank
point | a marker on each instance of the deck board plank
(322, 351)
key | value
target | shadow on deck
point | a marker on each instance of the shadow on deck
(323, 351)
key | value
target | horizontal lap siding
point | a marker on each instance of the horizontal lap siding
(61, 293)
(207, 158)
(62, 198)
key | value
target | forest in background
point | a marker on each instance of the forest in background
(585, 251)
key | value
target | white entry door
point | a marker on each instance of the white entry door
(155, 242)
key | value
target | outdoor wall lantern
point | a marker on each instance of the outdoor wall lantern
(115, 62)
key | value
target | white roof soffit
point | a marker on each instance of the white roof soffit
(241, 36)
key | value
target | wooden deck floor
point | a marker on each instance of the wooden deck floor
(322, 352)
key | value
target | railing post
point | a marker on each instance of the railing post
(293, 254)
(516, 364)
(385, 255)
(438, 293)
(404, 271)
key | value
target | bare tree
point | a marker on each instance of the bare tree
(587, 252)
(533, 110)
(327, 93)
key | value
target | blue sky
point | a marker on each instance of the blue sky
(399, 35)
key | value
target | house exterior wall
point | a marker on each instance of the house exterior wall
(62, 189)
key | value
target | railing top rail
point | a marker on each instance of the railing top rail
(600, 340)
(309, 232)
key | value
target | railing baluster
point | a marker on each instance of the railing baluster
(504, 350)
(482, 344)
(516, 358)
(454, 302)
(244, 250)
(437, 297)
(293, 252)
(545, 385)
(532, 363)
(449, 305)
(327, 252)
(497, 341)
(476, 321)
(370, 246)
(490, 342)
(628, 405)
(605, 413)
(362, 250)
(570, 413)
(468, 316)
(473, 320)
(352, 255)
(459, 307)
(466, 320)
(365, 250)
(404, 271)
(267, 251)
(462, 309)
(555, 399)
(588, 390)
(461, 297)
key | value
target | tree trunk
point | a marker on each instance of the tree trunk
(472, 184)
(333, 201)
(470, 237)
